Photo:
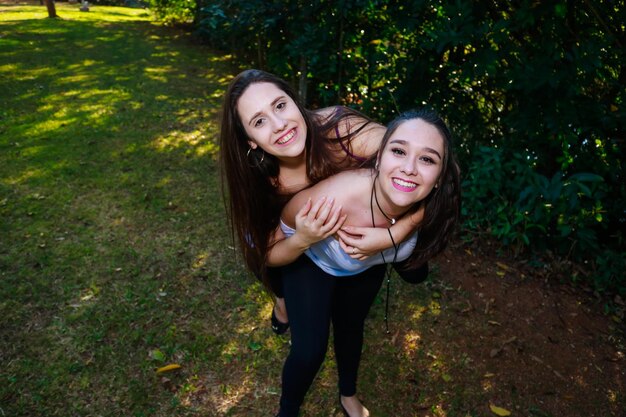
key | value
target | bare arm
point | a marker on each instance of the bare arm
(366, 142)
(363, 242)
(313, 222)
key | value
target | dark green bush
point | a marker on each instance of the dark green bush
(506, 198)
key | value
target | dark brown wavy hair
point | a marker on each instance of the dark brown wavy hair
(250, 177)
(443, 204)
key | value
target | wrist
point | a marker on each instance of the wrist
(299, 242)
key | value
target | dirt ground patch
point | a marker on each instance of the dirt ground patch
(546, 348)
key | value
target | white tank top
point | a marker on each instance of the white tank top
(328, 255)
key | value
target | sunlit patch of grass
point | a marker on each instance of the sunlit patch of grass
(72, 12)
(8, 68)
(26, 175)
(157, 74)
(201, 144)
(411, 341)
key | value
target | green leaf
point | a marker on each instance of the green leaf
(560, 9)
(157, 355)
(586, 177)
(255, 346)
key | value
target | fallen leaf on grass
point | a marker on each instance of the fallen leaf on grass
(502, 266)
(255, 346)
(168, 368)
(499, 411)
(446, 377)
(157, 355)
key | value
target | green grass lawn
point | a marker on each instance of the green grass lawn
(114, 252)
(115, 257)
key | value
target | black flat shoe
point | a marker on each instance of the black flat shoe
(278, 326)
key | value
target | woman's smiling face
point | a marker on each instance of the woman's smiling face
(272, 121)
(410, 164)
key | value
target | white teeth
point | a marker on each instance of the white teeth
(287, 138)
(404, 183)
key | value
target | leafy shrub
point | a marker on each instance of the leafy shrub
(174, 11)
(507, 198)
(608, 274)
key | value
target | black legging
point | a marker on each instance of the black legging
(275, 279)
(313, 299)
(412, 276)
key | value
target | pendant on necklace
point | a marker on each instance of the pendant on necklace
(393, 221)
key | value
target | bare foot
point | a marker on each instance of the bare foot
(353, 406)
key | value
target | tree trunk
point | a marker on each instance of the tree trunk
(52, 11)
(302, 82)
(340, 52)
(259, 52)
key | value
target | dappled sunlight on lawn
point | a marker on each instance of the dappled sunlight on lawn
(206, 393)
(26, 175)
(158, 74)
(197, 140)
(6, 68)
(411, 342)
(89, 91)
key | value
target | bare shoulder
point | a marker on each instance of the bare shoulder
(366, 134)
(345, 186)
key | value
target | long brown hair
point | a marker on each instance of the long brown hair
(442, 206)
(250, 176)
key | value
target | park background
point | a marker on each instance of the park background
(115, 254)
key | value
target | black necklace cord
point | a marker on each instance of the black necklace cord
(391, 220)
(373, 196)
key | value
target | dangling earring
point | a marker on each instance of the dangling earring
(258, 163)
